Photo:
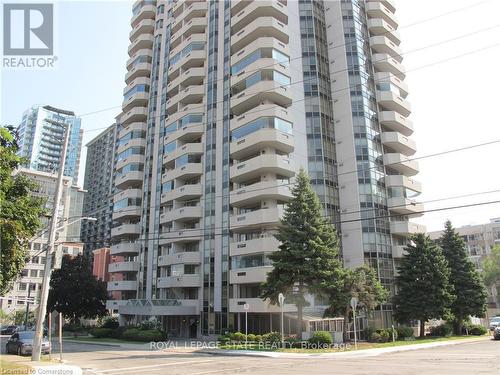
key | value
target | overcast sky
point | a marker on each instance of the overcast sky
(454, 102)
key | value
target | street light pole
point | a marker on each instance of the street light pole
(281, 300)
(42, 307)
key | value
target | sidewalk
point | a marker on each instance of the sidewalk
(343, 354)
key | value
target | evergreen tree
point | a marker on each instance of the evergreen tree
(468, 288)
(360, 282)
(75, 292)
(308, 257)
(423, 289)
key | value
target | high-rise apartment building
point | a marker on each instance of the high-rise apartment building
(41, 140)
(98, 181)
(224, 102)
(29, 283)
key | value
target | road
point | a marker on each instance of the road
(481, 358)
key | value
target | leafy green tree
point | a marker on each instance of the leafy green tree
(491, 271)
(360, 282)
(75, 292)
(19, 317)
(20, 212)
(308, 256)
(468, 288)
(423, 288)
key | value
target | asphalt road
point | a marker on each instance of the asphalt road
(481, 358)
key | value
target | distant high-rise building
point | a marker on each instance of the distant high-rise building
(224, 102)
(98, 181)
(29, 282)
(41, 140)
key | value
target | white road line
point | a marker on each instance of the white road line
(151, 366)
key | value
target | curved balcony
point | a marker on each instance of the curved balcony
(402, 181)
(183, 193)
(187, 41)
(134, 142)
(260, 139)
(187, 171)
(186, 133)
(262, 64)
(123, 267)
(191, 257)
(384, 77)
(193, 59)
(187, 213)
(144, 41)
(189, 77)
(257, 305)
(259, 245)
(392, 102)
(261, 27)
(260, 165)
(126, 230)
(375, 9)
(142, 52)
(382, 44)
(127, 213)
(195, 10)
(189, 95)
(137, 158)
(396, 122)
(377, 26)
(398, 143)
(265, 43)
(257, 218)
(183, 281)
(180, 236)
(273, 190)
(258, 9)
(146, 26)
(385, 63)
(133, 178)
(137, 114)
(401, 164)
(196, 25)
(263, 91)
(249, 275)
(128, 194)
(238, 5)
(264, 110)
(125, 248)
(147, 11)
(405, 206)
(141, 70)
(406, 228)
(123, 285)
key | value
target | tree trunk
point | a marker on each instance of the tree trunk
(299, 321)
(457, 326)
(422, 328)
(345, 334)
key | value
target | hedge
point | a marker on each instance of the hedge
(101, 332)
(321, 337)
(404, 332)
(477, 330)
(135, 334)
(442, 330)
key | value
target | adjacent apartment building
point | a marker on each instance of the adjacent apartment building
(98, 181)
(29, 284)
(479, 240)
(41, 139)
(224, 102)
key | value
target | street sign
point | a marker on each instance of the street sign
(281, 299)
(246, 306)
(354, 303)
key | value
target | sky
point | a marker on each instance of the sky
(451, 52)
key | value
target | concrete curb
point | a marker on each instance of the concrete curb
(341, 354)
(116, 345)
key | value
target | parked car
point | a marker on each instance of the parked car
(494, 323)
(9, 330)
(496, 333)
(21, 343)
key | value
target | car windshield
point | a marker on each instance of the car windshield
(496, 319)
(26, 335)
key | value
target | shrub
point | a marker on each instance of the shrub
(251, 337)
(272, 337)
(223, 339)
(101, 332)
(151, 324)
(392, 331)
(368, 332)
(404, 332)
(384, 335)
(321, 337)
(118, 332)
(109, 322)
(375, 337)
(442, 330)
(258, 338)
(477, 330)
(237, 336)
(135, 334)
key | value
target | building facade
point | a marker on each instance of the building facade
(41, 141)
(29, 284)
(224, 102)
(479, 240)
(98, 181)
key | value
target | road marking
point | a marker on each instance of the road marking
(151, 366)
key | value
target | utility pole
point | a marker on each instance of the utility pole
(27, 307)
(42, 308)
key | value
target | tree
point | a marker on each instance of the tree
(423, 288)
(360, 282)
(308, 256)
(468, 288)
(491, 271)
(75, 292)
(19, 317)
(20, 212)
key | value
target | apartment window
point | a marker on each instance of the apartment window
(136, 89)
(131, 135)
(167, 186)
(134, 150)
(249, 261)
(169, 147)
(33, 273)
(185, 159)
(24, 273)
(190, 269)
(261, 123)
(21, 286)
(37, 246)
